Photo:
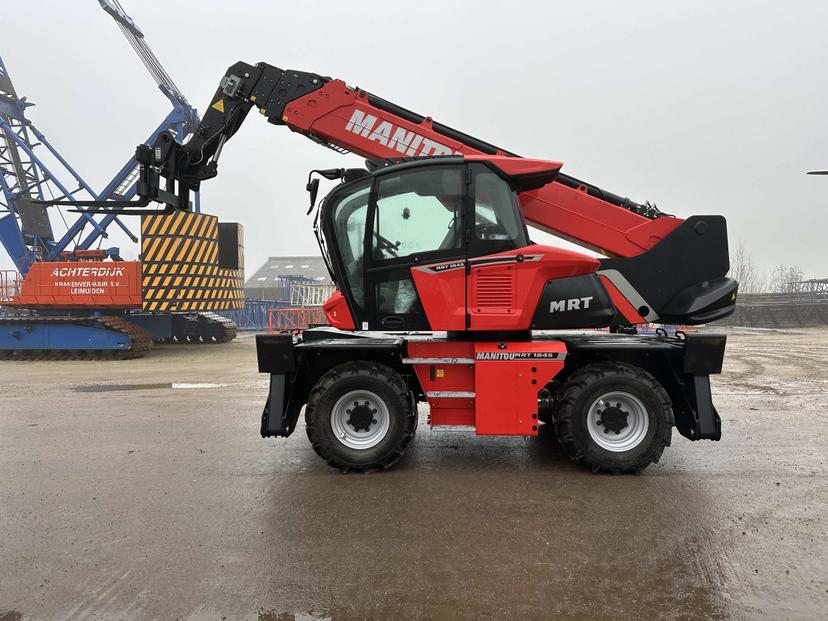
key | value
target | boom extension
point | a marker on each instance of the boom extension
(351, 120)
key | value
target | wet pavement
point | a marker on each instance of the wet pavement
(162, 501)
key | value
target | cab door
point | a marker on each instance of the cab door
(417, 218)
(497, 277)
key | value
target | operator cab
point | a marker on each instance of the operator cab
(421, 212)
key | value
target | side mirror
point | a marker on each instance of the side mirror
(313, 190)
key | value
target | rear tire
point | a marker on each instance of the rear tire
(361, 416)
(613, 417)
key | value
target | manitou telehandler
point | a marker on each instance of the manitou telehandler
(443, 298)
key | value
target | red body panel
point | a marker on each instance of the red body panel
(441, 377)
(506, 395)
(518, 166)
(86, 284)
(343, 116)
(492, 307)
(442, 291)
(491, 386)
(503, 289)
(337, 312)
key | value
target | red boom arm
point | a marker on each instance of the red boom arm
(352, 119)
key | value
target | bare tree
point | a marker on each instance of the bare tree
(744, 270)
(783, 278)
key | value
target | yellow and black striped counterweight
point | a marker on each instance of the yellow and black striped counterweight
(191, 262)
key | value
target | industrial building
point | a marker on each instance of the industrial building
(275, 279)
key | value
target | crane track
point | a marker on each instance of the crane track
(141, 340)
(213, 328)
(228, 327)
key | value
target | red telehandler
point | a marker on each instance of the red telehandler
(443, 298)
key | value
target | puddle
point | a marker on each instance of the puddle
(199, 385)
(121, 387)
(159, 386)
(441, 612)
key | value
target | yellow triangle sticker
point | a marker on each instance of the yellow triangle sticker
(219, 105)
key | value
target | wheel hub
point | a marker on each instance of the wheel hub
(613, 418)
(617, 421)
(360, 419)
(361, 416)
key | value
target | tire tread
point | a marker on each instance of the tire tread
(319, 440)
(565, 414)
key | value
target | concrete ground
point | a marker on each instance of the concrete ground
(124, 497)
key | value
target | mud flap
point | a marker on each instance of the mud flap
(704, 354)
(273, 415)
(276, 356)
(708, 425)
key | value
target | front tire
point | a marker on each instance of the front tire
(361, 416)
(613, 417)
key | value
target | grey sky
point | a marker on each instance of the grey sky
(703, 107)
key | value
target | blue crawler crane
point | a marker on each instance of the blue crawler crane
(32, 169)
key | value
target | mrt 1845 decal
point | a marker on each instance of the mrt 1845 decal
(520, 355)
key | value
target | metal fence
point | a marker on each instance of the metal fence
(779, 310)
(254, 315)
(814, 288)
(301, 309)
(294, 319)
(310, 295)
(9, 285)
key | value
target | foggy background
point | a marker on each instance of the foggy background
(705, 107)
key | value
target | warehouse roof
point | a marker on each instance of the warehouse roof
(308, 268)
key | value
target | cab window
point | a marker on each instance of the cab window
(418, 212)
(349, 211)
(497, 223)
